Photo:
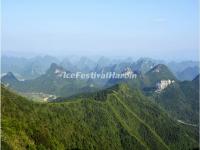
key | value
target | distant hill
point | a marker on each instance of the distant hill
(25, 68)
(188, 73)
(180, 66)
(68, 65)
(185, 70)
(117, 118)
(144, 64)
(51, 82)
(149, 79)
(29, 68)
(9, 78)
(159, 72)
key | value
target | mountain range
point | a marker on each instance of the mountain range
(52, 81)
(156, 110)
(24, 68)
(49, 83)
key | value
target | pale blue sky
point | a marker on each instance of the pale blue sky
(164, 29)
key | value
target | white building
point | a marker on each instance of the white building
(163, 84)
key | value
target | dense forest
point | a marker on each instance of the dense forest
(116, 118)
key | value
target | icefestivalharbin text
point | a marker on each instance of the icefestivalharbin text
(95, 75)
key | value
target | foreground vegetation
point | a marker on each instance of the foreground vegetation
(116, 118)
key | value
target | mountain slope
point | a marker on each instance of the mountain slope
(159, 72)
(117, 118)
(181, 100)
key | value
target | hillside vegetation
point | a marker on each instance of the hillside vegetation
(181, 100)
(117, 118)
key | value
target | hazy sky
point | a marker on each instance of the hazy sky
(164, 29)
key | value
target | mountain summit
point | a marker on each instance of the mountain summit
(158, 73)
(54, 68)
(9, 78)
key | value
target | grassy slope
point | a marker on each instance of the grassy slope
(123, 119)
